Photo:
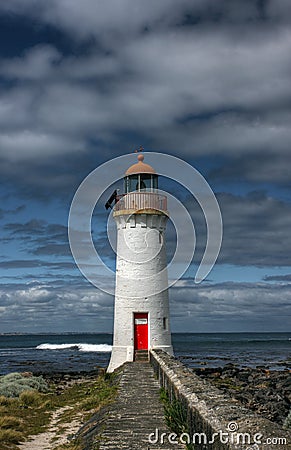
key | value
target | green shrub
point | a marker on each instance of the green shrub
(11, 377)
(11, 389)
(13, 384)
(175, 415)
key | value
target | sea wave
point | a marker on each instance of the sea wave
(81, 347)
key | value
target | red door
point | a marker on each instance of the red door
(141, 331)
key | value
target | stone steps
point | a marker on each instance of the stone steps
(141, 355)
(136, 413)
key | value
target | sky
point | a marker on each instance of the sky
(207, 81)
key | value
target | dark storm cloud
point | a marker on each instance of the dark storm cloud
(256, 230)
(35, 263)
(41, 238)
(258, 167)
(17, 264)
(25, 230)
(53, 249)
(7, 212)
(256, 233)
(44, 238)
(232, 306)
(99, 19)
(283, 278)
(199, 77)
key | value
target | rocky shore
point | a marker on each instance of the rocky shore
(264, 391)
(63, 380)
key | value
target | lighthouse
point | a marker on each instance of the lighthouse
(141, 312)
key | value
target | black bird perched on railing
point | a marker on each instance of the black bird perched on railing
(111, 200)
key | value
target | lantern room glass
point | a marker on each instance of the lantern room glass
(141, 182)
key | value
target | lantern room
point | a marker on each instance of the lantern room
(140, 177)
(141, 194)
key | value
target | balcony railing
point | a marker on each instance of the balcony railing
(136, 201)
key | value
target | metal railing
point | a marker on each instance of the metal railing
(141, 200)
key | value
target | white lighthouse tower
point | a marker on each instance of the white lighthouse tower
(141, 315)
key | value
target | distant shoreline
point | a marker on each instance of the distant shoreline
(67, 333)
(70, 351)
(51, 333)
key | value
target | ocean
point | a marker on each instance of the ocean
(72, 352)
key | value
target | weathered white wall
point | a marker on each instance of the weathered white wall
(141, 284)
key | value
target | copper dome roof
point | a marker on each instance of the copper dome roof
(140, 167)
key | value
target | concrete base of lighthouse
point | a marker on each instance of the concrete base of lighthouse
(120, 355)
(140, 270)
(158, 331)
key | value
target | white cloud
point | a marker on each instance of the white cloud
(226, 306)
(29, 145)
(44, 306)
(232, 307)
(37, 63)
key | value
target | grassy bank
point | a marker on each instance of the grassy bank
(30, 413)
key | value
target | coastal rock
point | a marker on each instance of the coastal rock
(264, 391)
(27, 374)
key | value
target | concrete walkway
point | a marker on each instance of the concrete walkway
(137, 413)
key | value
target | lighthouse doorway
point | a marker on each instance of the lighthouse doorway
(141, 331)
